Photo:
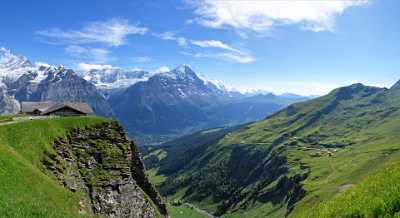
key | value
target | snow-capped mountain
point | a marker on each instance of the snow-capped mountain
(13, 66)
(20, 80)
(109, 77)
(58, 84)
(156, 105)
(180, 101)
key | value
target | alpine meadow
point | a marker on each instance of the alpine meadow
(200, 109)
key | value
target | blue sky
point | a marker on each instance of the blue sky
(306, 47)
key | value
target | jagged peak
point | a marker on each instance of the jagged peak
(183, 68)
(6, 57)
(13, 66)
(181, 72)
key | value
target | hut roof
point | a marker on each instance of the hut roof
(29, 107)
(78, 106)
(47, 107)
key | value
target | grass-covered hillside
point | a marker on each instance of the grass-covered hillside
(377, 196)
(25, 190)
(293, 162)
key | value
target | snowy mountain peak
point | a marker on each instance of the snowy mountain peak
(182, 72)
(13, 66)
(108, 77)
(183, 68)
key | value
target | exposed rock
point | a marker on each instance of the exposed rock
(101, 162)
(8, 105)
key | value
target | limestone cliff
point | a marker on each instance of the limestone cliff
(103, 164)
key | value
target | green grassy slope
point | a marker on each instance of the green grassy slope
(377, 196)
(25, 191)
(290, 162)
(184, 212)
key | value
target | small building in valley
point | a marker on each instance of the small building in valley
(49, 108)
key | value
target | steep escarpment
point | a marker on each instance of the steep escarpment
(8, 105)
(102, 163)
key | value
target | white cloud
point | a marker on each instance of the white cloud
(162, 69)
(75, 50)
(232, 54)
(314, 15)
(96, 55)
(99, 55)
(42, 64)
(113, 32)
(235, 57)
(181, 41)
(141, 59)
(214, 44)
(87, 67)
(172, 36)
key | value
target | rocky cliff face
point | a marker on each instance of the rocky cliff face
(8, 105)
(102, 163)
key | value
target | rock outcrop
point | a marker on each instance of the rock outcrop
(102, 163)
(8, 105)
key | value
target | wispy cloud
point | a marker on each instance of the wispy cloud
(238, 57)
(313, 15)
(181, 41)
(232, 53)
(162, 69)
(87, 67)
(141, 59)
(113, 32)
(95, 55)
(76, 51)
(214, 44)
(235, 57)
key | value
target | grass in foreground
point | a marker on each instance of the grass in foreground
(377, 196)
(25, 191)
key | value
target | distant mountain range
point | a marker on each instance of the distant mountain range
(153, 106)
